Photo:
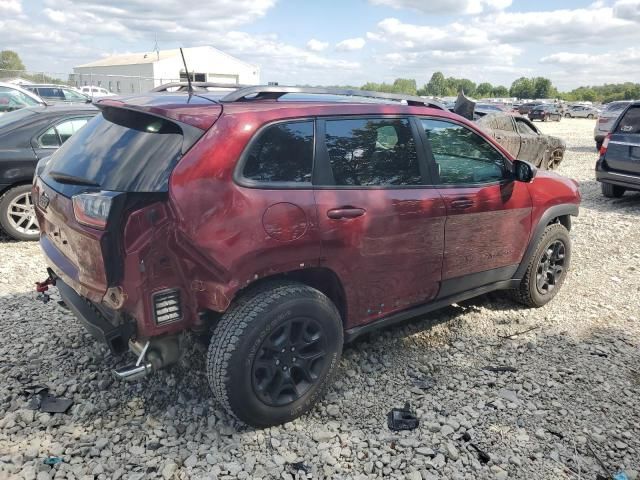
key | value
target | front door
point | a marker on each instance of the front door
(488, 213)
(382, 225)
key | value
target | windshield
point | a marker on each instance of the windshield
(119, 150)
(12, 99)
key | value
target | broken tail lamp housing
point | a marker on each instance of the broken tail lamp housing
(167, 306)
(92, 209)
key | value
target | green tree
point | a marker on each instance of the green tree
(485, 89)
(500, 92)
(437, 85)
(405, 85)
(522, 88)
(10, 60)
(543, 88)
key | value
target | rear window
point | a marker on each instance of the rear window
(630, 122)
(121, 150)
(282, 153)
(616, 107)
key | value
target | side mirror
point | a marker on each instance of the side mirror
(524, 171)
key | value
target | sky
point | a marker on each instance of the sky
(333, 42)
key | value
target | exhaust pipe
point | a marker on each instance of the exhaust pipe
(131, 373)
(153, 355)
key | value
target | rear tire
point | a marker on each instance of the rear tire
(612, 191)
(547, 268)
(590, 117)
(17, 217)
(273, 354)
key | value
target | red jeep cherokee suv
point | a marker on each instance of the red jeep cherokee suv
(288, 221)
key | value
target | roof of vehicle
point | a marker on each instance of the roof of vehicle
(200, 109)
(22, 118)
(56, 85)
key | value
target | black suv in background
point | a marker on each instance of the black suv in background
(26, 136)
(57, 93)
(545, 113)
(618, 168)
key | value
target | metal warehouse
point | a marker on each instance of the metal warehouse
(140, 72)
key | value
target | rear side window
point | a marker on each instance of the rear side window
(282, 153)
(372, 152)
(121, 150)
(630, 122)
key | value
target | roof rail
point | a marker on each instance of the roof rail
(203, 85)
(273, 92)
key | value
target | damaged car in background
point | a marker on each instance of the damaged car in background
(516, 134)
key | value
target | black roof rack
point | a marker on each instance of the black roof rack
(273, 92)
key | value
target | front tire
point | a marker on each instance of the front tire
(547, 268)
(17, 215)
(612, 191)
(273, 354)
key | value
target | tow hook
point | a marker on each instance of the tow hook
(42, 287)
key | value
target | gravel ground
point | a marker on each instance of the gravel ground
(575, 388)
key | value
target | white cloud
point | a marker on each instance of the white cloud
(627, 9)
(316, 45)
(351, 44)
(10, 6)
(468, 7)
(571, 69)
(557, 26)
(452, 41)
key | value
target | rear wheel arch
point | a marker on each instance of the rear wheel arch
(322, 279)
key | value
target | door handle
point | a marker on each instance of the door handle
(462, 203)
(345, 212)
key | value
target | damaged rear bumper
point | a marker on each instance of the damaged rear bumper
(116, 337)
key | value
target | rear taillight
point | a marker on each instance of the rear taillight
(92, 209)
(603, 120)
(605, 144)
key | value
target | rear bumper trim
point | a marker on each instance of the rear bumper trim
(621, 179)
(116, 337)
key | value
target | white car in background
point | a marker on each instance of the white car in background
(14, 97)
(96, 92)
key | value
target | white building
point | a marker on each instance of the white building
(140, 72)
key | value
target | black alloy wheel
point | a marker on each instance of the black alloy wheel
(550, 267)
(289, 361)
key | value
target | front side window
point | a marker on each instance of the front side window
(372, 152)
(74, 96)
(282, 153)
(462, 156)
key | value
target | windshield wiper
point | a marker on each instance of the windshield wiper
(72, 179)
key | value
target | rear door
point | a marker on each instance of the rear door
(381, 222)
(623, 152)
(488, 213)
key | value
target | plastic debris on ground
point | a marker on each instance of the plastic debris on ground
(402, 419)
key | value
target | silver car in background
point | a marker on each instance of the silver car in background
(582, 111)
(607, 118)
